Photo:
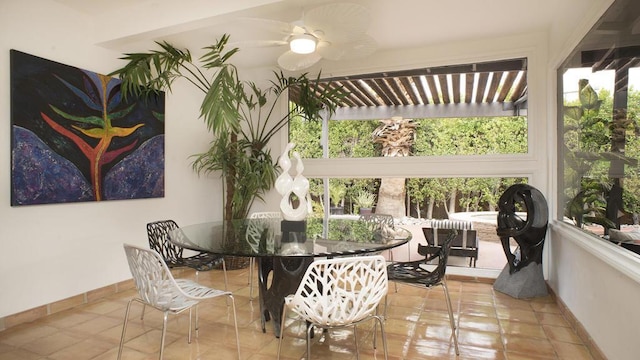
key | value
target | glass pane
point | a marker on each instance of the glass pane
(428, 137)
(599, 126)
(469, 199)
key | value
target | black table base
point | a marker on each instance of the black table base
(286, 274)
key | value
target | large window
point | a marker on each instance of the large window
(427, 137)
(440, 120)
(599, 128)
(471, 109)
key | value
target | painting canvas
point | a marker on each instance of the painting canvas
(74, 138)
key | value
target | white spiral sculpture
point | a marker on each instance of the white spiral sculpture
(287, 185)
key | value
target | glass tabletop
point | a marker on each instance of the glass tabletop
(273, 237)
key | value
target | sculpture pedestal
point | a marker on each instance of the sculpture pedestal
(526, 283)
(294, 231)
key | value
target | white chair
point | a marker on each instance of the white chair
(339, 292)
(158, 289)
(254, 233)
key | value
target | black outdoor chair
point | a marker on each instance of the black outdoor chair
(415, 273)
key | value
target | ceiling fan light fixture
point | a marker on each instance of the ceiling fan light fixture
(303, 44)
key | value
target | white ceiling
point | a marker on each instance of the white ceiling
(133, 25)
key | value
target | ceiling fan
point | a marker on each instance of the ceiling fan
(335, 31)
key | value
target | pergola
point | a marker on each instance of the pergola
(497, 88)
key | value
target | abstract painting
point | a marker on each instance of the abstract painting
(74, 138)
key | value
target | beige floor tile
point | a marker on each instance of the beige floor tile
(523, 329)
(477, 299)
(511, 314)
(85, 350)
(26, 333)
(480, 339)
(491, 326)
(17, 353)
(478, 310)
(570, 351)
(526, 345)
(50, 344)
(561, 334)
(480, 323)
(552, 319)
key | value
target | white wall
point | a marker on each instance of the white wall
(597, 281)
(51, 252)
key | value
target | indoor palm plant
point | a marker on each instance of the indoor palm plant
(241, 117)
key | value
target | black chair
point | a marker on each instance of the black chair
(415, 273)
(465, 244)
(158, 233)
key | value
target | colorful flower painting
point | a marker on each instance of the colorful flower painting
(74, 138)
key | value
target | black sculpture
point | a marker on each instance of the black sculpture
(529, 232)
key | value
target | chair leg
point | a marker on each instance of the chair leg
(309, 331)
(391, 260)
(355, 339)
(284, 316)
(224, 271)
(251, 266)
(144, 306)
(451, 319)
(190, 325)
(383, 335)
(226, 280)
(124, 327)
(235, 321)
(164, 333)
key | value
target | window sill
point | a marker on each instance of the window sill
(627, 262)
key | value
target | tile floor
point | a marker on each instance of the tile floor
(491, 326)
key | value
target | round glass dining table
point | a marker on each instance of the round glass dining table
(285, 249)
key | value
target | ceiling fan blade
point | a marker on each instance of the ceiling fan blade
(294, 62)
(258, 43)
(268, 25)
(365, 45)
(329, 51)
(338, 22)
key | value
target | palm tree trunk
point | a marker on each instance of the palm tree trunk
(391, 197)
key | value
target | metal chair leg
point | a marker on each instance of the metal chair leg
(384, 338)
(124, 327)
(235, 321)
(164, 333)
(309, 331)
(251, 266)
(355, 339)
(190, 326)
(284, 316)
(451, 319)
(224, 271)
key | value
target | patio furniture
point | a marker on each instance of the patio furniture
(465, 244)
(158, 231)
(281, 267)
(158, 289)
(339, 292)
(416, 273)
